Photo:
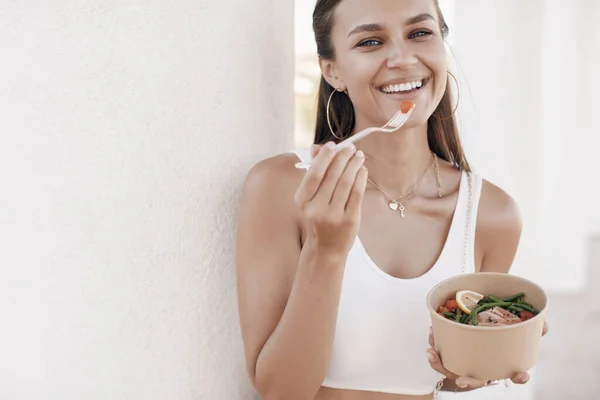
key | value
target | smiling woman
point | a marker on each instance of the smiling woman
(358, 57)
(334, 261)
(308, 75)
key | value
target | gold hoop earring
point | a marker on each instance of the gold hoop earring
(328, 118)
(457, 100)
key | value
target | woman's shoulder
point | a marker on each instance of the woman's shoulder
(499, 227)
(275, 175)
(497, 207)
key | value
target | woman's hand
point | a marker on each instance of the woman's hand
(465, 382)
(330, 198)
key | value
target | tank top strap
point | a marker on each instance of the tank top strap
(303, 153)
(471, 209)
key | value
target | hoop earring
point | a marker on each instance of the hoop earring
(457, 100)
(328, 118)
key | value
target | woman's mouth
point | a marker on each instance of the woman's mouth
(404, 89)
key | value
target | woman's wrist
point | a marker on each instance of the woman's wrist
(327, 256)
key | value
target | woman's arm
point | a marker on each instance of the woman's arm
(288, 295)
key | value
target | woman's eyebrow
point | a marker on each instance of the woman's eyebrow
(377, 27)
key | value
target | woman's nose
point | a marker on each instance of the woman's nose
(401, 55)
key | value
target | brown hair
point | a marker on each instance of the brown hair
(442, 134)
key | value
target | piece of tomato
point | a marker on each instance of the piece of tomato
(451, 305)
(405, 106)
(525, 315)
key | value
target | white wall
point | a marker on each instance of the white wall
(126, 129)
(529, 68)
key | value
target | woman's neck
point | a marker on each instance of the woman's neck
(396, 161)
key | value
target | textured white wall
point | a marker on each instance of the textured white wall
(126, 129)
(531, 70)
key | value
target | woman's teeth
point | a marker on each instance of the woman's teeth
(402, 87)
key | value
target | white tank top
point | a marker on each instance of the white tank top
(382, 329)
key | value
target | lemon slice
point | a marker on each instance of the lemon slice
(467, 300)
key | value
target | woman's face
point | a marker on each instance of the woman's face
(388, 51)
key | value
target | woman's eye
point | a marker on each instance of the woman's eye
(369, 43)
(419, 34)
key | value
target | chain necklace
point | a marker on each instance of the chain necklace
(397, 203)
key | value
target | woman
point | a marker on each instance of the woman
(334, 263)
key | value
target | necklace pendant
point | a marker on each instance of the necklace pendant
(393, 205)
(401, 208)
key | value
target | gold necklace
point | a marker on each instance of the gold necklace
(397, 203)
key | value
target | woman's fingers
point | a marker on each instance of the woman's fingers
(332, 175)
(436, 364)
(347, 180)
(314, 150)
(464, 382)
(431, 341)
(521, 378)
(355, 199)
(315, 174)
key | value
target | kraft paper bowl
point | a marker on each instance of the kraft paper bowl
(487, 352)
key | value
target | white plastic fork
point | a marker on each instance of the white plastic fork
(392, 125)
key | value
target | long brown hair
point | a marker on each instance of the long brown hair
(442, 134)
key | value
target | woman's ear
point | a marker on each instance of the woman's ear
(328, 70)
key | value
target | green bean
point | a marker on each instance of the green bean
(513, 298)
(474, 315)
(458, 314)
(464, 318)
(516, 298)
(485, 299)
(487, 306)
(527, 308)
(449, 315)
(514, 308)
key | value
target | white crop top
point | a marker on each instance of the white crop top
(382, 330)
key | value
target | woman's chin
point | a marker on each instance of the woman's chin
(418, 118)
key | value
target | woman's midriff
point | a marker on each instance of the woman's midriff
(342, 394)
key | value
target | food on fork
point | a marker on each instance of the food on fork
(406, 105)
(472, 308)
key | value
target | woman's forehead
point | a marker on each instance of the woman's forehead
(351, 13)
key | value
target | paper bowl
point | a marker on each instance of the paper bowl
(487, 352)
